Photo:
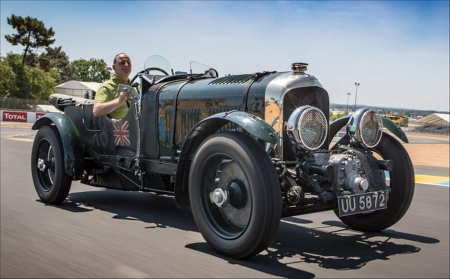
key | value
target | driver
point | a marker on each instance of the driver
(108, 100)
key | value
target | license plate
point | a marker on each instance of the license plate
(362, 203)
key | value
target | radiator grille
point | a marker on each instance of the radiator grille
(313, 96)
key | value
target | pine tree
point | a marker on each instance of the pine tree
(31, 33)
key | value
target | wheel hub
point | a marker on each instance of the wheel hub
(41, 165)
(232, 195)
(235, 195)
(228, 199)
(219, 197)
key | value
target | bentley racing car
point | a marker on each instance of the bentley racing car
(241, 151)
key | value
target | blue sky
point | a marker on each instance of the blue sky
(397, 50)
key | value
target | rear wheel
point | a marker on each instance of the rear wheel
(402, 189)
(234, 194)
(47, 166)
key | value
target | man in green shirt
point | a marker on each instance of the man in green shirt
(108, 100)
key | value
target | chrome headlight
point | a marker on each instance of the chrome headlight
(307, 128)
(366, 127)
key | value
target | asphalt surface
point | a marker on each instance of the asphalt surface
(98, 233)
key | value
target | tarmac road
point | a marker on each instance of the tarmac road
(114, 234)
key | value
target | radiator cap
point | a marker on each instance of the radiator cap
(298, 67)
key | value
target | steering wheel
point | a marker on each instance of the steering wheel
(156, 69)
(147, 71)
(132, 80)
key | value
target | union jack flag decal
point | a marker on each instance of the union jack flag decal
(121, 133)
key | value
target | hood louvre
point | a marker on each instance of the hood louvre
(236, 79)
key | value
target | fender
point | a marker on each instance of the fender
(394, 128)
(70, 138)
(336, 125)
(208, 126)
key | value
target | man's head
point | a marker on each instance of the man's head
(122, 66)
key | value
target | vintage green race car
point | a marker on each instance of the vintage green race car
(242, 151)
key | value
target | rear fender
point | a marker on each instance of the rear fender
(336, 125)
(250, 123)
(70, 138)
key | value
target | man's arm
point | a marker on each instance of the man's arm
(101, 109)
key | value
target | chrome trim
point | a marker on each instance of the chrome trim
(354, 127)
(219, 197)
(294, 123)
(274, 96)
(41, 165)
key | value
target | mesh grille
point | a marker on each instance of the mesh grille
(371, 126)
(313, 127)
(313, 96)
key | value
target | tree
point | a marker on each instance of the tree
(14, 61)
(94, 70)
(31, 33)
(55, 58)
(29, 82)
(334, 116)
(40, 84)
(8, 80)
(67, 73)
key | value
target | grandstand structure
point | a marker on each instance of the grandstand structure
(436, 123)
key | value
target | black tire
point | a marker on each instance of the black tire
(234, 162)
(47, 166)
(402, 190)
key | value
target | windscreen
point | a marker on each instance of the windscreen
(158, 65)
(202, 69)
(198, 68)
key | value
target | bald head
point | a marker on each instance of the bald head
(122, 66)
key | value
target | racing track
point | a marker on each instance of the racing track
(107, 233)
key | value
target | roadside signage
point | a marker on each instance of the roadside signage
(14, 116)
(39, 115)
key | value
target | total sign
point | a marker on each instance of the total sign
(39, 115)
(14, 116)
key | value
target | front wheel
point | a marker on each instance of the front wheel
(47, 166)
(234, 194)
(402, 189)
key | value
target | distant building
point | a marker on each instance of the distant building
(436, 123)
(435, 119)
(79, 89)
